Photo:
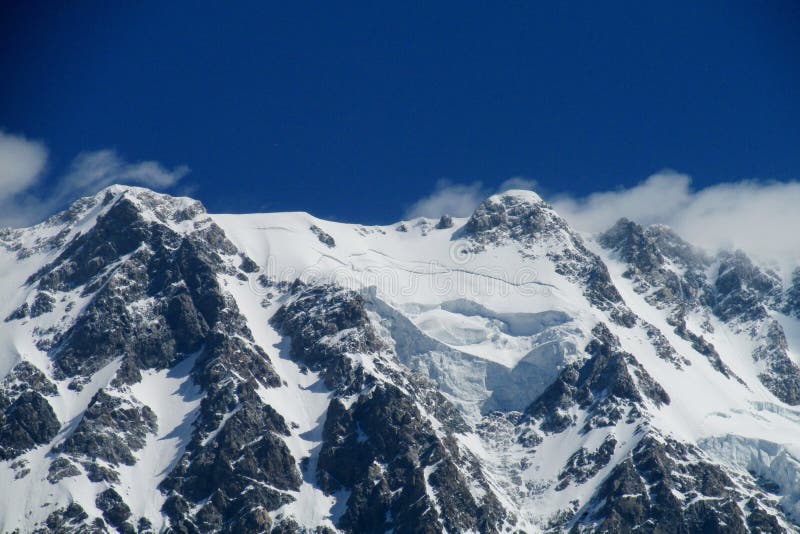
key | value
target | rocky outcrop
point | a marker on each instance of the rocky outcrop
(780, 375)
(68, 519)
(667, 486)
(151, 280)
(742, 291)
(26, 422)
(61, 468)
(522, 217)
(585, 464)
(401, 473)
(325, 323)
(111, 429)
(445, 222)
(607, 387)
(792, 297)
(673, 275)
(27, 377)
(323, 237)
(651, 253)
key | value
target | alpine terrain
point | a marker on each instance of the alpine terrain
(164, 369)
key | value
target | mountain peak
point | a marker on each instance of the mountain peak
(515, 213)
(516, 195)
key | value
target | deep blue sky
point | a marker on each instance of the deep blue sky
(353, 111)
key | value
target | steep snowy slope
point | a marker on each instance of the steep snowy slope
(166, 369)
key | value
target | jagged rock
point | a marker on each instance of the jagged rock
(324, 238)
(663, 348)
(648, 253)
(523, 218)
(378, 450)
(782, 375)
(742, 290)
(111, 429)
(248, 265)
(700, 344)
(144, 526)
(759, 520)
(68, 519)
(61, 468)
(583, 465)
(642, 493)
(43, 303)
(27, 422)
(115, 511)
(222, 464)
(19, 313)
(27, 377)
(607, 386)
(445, 221)
(314, 318)
(792, 297)
(630, 242)
(99, 473)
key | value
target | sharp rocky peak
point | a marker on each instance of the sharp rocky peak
(649, 248)
(515, 214)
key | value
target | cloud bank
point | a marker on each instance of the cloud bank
(760, 217)
(460, 200)
(21, 163)
(26, 199)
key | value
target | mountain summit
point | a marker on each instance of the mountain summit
(166, 369)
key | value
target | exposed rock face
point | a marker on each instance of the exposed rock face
(324, 324)
(68, 519)
(154, 297)
(743, 291)
(673, 275)
(115, 511)
(323, 237)
(25, 423)
(111, 429)
(792, 298)
(648, 253)
(220, 470)
(445, 222)
(584, 464)
(609, 386)
(62, 468)
(400, 472)
(27, 377)
(664, 485)
(781, 375)
(523, 218)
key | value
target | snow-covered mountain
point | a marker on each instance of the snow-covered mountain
(163, 369)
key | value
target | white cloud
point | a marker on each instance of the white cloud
(21, 164)
(517, 182)
(24, 200)
(761, 218)
(92, 171)
(652, 201)
(460, 200)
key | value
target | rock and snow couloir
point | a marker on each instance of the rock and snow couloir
(166, 369)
